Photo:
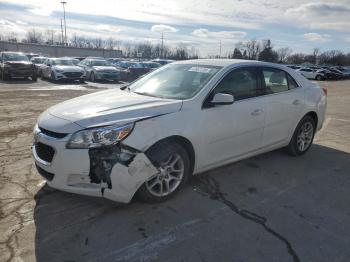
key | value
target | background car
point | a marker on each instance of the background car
(311, 73)
(16, 65)
(151, 65)
(57, 69)
(38, 61)
(99, 69)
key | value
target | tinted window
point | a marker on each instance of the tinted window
(275, 80)
(241, 83)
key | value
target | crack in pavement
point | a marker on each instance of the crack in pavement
(205, 185)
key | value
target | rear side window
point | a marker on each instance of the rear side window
(241, 83)
(277, 81)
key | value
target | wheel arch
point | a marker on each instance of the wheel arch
(185, 143)
(314, 116)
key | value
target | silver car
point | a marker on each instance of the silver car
(99, 69)
(57, 69)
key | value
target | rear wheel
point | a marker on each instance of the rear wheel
(303, 137)
(174, 165)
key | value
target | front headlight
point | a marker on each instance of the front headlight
(101, 136)
(59, 70)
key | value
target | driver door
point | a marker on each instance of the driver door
(232, 131)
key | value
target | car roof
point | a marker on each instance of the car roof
(228, 62)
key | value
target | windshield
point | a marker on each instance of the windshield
(176, 81)
(15, 57)
(99, 63)
(62, 62)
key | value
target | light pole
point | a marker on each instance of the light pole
(64, 18)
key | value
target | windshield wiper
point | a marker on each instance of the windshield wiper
(148, 94)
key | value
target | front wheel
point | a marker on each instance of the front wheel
(319, 78)
(53, 77)
(303, 137)
(173, 163)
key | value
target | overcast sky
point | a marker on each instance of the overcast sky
(298, 24)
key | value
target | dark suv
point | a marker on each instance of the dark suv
(14, 64)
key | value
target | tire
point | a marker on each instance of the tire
(82, 81)
(53, 78)
(92, 77)
(34, 78)
(302, 139)
(319, 78)
(162, 155)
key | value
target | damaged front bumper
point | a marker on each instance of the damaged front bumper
(115, 172)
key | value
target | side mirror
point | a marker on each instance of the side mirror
(222, 99)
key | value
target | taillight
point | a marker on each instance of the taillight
(325, 90)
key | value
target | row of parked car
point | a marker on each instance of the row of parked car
(14, 64)
(323, 72)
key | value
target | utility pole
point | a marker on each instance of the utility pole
(62, 39)
(162, 50)
(220, 49)
(64, 18)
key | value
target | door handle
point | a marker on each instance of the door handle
(296, 102)
(257, 112)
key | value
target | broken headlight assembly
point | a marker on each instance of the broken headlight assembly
(100, 136)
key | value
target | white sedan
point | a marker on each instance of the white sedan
(312, 74)
(180, 120)
(57, 69)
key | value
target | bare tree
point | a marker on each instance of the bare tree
(252, 48)
(34, 37)
(283, 54)
(12, 37)
(49, 36)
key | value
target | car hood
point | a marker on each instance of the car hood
(113, 107)
(68, 68)
(22, 63)
(104, 68)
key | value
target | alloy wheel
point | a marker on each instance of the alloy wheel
(305, 136)
(169, 177)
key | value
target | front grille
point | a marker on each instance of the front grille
(44, 174)
(52, 134)
(73, 74)
(44, 152)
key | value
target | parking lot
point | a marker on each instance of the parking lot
(272, 207)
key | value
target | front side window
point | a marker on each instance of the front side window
(241, 83)
(176, 81)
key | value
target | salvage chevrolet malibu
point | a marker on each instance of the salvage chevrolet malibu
(182, 119)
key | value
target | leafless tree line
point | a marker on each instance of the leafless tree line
(252, 49)
(130, 49)
(265, 51)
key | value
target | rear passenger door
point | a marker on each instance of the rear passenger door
(284, 105)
